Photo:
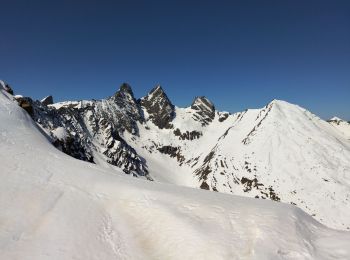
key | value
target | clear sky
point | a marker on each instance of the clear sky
(240, 54)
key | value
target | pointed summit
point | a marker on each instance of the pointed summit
(125, 89)
(159, 108)
(157, 91)
(202, 103)
(128, 110)
(47, 100)
(204, 110)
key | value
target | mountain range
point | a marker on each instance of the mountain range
(56, 207)
(281, 152)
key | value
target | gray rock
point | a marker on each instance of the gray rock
(159, 108)
(47, 100)
(205, 110)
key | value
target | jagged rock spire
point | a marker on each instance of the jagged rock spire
(205, 110)
(128, 110)
(159, 108)
(125, 91)
(125, 88)
(47, 100)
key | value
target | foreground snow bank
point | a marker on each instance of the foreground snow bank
(56, 207)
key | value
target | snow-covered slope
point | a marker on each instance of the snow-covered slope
(280, 152)
(283, 152)
(56, 207)
(341, 125)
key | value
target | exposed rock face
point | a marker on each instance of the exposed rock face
(76, 143)
(127, 111)
(159, 108)
(25, 103)
(187, 135)
(223, 116)
(47, 100)
(205, 110)
(94, 127)
(172, 152)
(119, 152)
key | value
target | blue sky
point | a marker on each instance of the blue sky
(239, 54)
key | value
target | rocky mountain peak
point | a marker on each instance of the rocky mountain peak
(125, 90)
(205, 110)
(47, 100)
(127, 111)
(202, 103)
(124, 98)
(157, 94)
(159, 108)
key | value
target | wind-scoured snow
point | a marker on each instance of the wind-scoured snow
(56, 207)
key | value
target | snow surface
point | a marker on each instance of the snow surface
(341, 125)
(56, 207)
(2, 85)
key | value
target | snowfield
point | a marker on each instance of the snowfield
(56, 207)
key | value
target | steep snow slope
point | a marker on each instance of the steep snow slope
(57, 207)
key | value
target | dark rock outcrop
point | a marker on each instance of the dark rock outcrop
(187, 135)
(159, 108)
(205, 110)
(47, 100)
(125, 109)
(223, 117)
(93, 127)
(174, 152)
(26, 103)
